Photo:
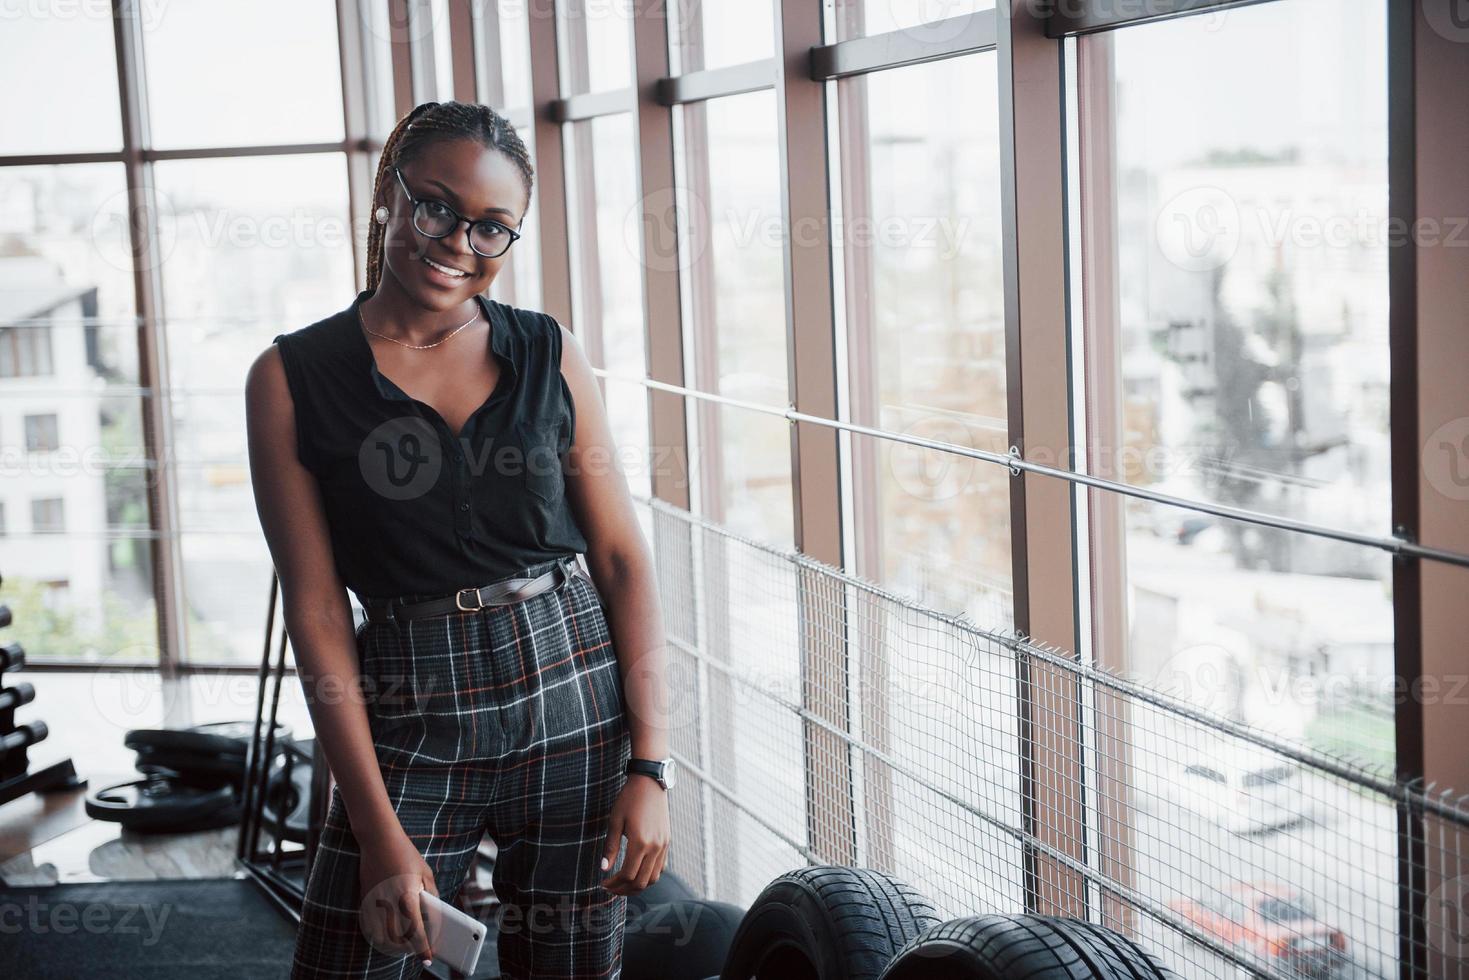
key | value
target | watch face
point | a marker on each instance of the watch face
(669, 769)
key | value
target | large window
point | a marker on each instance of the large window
(924, 312)
(1244, 334)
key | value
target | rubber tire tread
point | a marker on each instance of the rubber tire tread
(863, 915)
(1023, 947)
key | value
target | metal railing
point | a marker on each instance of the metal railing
(1218, 845)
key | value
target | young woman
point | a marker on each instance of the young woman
(446, 457)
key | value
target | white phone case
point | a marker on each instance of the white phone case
(456, 937)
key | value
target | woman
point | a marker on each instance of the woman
(446, 457)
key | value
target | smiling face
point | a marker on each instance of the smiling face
(475, 180)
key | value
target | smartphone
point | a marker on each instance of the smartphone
(456, 937)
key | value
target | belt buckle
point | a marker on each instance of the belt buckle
(477, 598)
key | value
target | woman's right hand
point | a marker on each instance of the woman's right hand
(392, 874)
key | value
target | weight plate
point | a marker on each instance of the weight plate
(293, 798)
(157, 802)
(242, 731)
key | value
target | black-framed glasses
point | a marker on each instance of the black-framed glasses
(436, 219)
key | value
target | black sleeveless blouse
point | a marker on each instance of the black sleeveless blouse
(414, 510)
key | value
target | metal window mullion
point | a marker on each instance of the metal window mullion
(811, 371)
(952, 37)
(464, 65)
(658, 230)
(1075, 17)
(400, 31)
(356, 65)
(166, 549)
(869, 644)
(551, 189)
(1033, 194)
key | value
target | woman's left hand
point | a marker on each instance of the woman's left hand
(640, 812)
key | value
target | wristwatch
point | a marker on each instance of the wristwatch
(660, 769)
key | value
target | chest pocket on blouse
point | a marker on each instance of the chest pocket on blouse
(540, 445)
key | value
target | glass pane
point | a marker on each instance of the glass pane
(79, 111)
(736, 283)
(277, 80)
(252, 247)
(1252, 266)
(609, 306)
(249, 241)
(923, 17)
(1238, 354)
(67, 254)
(595, 41)
(921, 250)
(524, 269)
(719, 33)
(78, 564)
(513, 63)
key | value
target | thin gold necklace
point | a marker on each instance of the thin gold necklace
(418, 346)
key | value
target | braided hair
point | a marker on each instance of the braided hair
(425, 124)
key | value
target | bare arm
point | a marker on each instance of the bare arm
(618, 556)
(621, 565)
(319, 622)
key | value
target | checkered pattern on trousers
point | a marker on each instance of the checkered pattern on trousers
(508, 720)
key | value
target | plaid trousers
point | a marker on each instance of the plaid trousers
(508, 720)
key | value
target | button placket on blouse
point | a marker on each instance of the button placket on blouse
(462, 488)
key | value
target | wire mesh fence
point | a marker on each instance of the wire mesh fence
(819, 718)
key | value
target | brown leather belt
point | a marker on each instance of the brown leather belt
(503, 592)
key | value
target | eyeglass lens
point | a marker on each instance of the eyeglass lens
(485, 237)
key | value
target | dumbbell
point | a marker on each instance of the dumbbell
(14, 697)
(12, 656)
(24, 735)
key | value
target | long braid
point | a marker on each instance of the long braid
(425, 124)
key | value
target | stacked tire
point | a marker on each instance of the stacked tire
(833, 922)
(1023, 947)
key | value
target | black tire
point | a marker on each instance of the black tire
(1023, 947)
(183, 741)
(684, 940)
(197, 769)
(224, 738)
(828, 922)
